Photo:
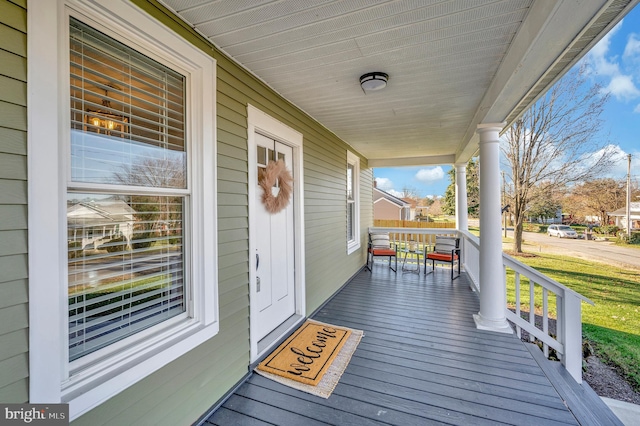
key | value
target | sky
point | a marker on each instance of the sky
(614, 63)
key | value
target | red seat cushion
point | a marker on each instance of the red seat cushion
(440, 256)
(383, 252)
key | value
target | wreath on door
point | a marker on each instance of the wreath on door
(276, 171)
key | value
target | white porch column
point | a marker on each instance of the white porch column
(462, 212)
(492, 286)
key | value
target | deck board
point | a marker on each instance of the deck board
(421, 361)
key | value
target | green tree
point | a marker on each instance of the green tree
(473, 191)
(473, 188)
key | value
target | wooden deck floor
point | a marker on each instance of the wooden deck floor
(421, 362)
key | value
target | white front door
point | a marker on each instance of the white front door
(273, 259)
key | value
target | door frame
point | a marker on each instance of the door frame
(259, 121)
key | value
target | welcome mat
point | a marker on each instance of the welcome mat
(313, 358)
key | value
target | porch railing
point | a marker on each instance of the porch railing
(567, 340)
(470, 245)
(527, 315)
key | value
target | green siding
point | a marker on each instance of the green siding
(13, 217)
(13, 166)
(13, 141)
(15, 343)
(14, 369)
(12, 40)
(21, 3)
(15, 393)
(13, 65)
(13, 293)
(13, 191)
(13, 242)
(14, 312)
(13, 16)
(13, 90)
(12, 116)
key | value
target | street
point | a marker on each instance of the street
(599, 251)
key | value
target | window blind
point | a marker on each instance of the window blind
(126, 247)
(350, 203)
(125, 108)
(125, 266)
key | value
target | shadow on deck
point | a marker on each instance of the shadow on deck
(422, 361)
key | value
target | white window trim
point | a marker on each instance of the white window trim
(353, 245)
(48, 118)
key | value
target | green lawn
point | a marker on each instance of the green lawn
(632, 245)
(613, 324)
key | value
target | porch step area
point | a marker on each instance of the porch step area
(587, 407)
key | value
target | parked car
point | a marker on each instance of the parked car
(561, 231)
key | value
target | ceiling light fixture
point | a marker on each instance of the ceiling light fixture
(374, 81)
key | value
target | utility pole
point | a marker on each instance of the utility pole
(629, 197)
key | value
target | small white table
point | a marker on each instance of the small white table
(411, 253)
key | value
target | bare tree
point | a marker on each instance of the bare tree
(153, 172)
(555, 143)
(546, 204)
(154, 213)
(574, 206)
(602, 195)
(410, 192)
(436, 207)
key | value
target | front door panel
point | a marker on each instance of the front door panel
(274, 256)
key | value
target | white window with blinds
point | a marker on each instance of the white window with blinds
(127, 193)
(135, 252)
(353, 202)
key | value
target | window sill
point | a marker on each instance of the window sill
(353, 246)
(91, 387)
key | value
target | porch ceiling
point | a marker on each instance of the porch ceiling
(451, 64)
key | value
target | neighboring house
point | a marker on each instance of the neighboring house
(416, 208)
(420, 212)
(389, 207)
(558, 218)
(620, 216)
(179, 109)
(96, 222)
(593, 219)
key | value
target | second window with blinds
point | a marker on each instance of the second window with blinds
(353, 202)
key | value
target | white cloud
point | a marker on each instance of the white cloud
(632, 49)
(430, 175)
(605, 65)
(384, 184)
(623, 88)
(619, 161)
(597, 56)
